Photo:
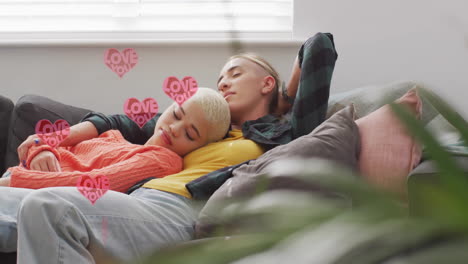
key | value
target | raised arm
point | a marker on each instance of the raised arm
(310, 83)
(288, 93)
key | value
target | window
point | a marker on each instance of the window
(146, 19)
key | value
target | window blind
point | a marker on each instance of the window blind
(148, 17)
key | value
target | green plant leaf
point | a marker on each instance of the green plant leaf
(216, 250)
(452, 179)
(443, 159)
(454, 118)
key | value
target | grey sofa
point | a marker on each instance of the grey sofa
(19, 120)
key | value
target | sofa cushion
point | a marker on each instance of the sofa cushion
(388, 152)
(336, 139)
(27, 112)
(447, 135)
(6, 107)
(370, 98)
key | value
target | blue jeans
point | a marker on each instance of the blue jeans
(60, 225)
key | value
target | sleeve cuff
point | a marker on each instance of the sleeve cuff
(34, 151)
(99, 120)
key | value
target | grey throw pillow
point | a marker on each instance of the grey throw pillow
(337, 139)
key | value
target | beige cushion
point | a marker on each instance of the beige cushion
(388, 152)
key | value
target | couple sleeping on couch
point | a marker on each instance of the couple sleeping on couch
(54, 224)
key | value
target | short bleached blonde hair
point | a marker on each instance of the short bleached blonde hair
(216, 111)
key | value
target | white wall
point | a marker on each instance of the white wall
(381, 41)
(78, 76)
(377, 41)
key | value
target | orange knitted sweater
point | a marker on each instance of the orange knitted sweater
(109, 154)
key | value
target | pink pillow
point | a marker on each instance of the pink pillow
(388, 152)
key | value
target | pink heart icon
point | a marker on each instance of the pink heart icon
(120, 62)
(52, 134)
(180, 91)
(141, 112)
(93, 188)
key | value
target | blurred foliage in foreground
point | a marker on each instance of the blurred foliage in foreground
(363, 225)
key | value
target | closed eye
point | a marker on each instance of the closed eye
(175, 116)
(188, 136)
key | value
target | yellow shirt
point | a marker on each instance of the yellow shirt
(230, 151)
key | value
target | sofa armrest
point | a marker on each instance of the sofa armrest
(423, 175)
(6, 108)
(28, 110)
